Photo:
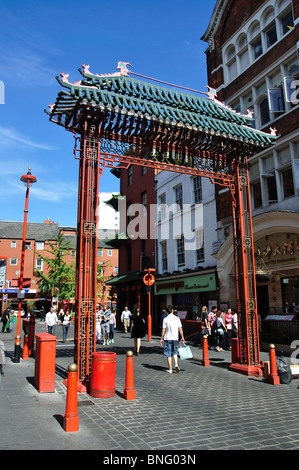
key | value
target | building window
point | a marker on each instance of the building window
(144, 204)
(257, 48)
(271, 189)
(164, 255)
(181, 251)
(13, 244)
(27, 245)
(115, 269)
(271, 36)
(39, 263)
(179, 196)
(264, 112)
(231, 63)
(257, 195)
(13, 261)
(197, 189)
(200, 251)
(287, 22)
(100, 253)
(162, 207)
(73, 253)
(40, 245)
(109, 253)
(288, 183)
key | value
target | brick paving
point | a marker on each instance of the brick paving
(199, 408)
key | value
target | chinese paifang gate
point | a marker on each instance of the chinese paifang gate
(118, 121)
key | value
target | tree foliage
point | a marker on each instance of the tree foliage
(59, 279)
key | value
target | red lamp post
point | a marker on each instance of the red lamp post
(149, 280)
(28, 180)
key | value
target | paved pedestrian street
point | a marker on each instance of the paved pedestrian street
(199, 408)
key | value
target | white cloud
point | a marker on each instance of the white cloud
(27, 70)
(9, 136)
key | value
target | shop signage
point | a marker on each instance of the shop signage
(201, 283)
(15, 291)
(277, 249)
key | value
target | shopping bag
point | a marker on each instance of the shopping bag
(184, 352)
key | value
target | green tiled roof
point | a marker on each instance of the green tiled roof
(110, 96)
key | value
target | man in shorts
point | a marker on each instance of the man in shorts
(171, 328)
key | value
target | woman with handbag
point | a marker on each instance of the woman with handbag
(220, 331)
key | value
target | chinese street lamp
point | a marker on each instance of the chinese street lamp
(28, 180)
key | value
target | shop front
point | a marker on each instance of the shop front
(188, 293)
(277, 276)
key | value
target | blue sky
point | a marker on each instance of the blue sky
(40, 39)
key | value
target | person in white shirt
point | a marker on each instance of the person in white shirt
(125, 318)
(171, 328)
(51, 321)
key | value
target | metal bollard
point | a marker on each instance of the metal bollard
(129, 391)
(71, 418)
(205, 353)
(273, 377)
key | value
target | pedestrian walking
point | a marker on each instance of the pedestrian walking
(206, 328)
(112, 325)
(220, 331)
(228, 318)
(235, 324)
(42, 314)
(98, 324)
(65, 319)
(212, 323)
(5, 319)
(105, 327)
(51, 321)
(125, 319)
(171, 329)
(137, 330)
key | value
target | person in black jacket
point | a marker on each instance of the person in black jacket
(4, 319)
(137, 331)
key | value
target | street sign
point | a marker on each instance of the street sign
(149, 279)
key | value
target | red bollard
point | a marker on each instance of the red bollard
(71, 418)
(273, 377)
(129, 391)
(25, 356)
(205, 353)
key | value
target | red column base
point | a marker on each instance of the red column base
(71, 424)
(245, 369)
(273, 379)
(205, 362)
(129, 394)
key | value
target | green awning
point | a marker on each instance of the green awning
(124, 278)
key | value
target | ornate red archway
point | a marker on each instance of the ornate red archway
(119, 121)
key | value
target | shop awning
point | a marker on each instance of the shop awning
(124, 278)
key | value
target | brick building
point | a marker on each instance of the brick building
(252, 62)
(37, 241)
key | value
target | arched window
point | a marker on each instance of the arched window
(231, 63)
